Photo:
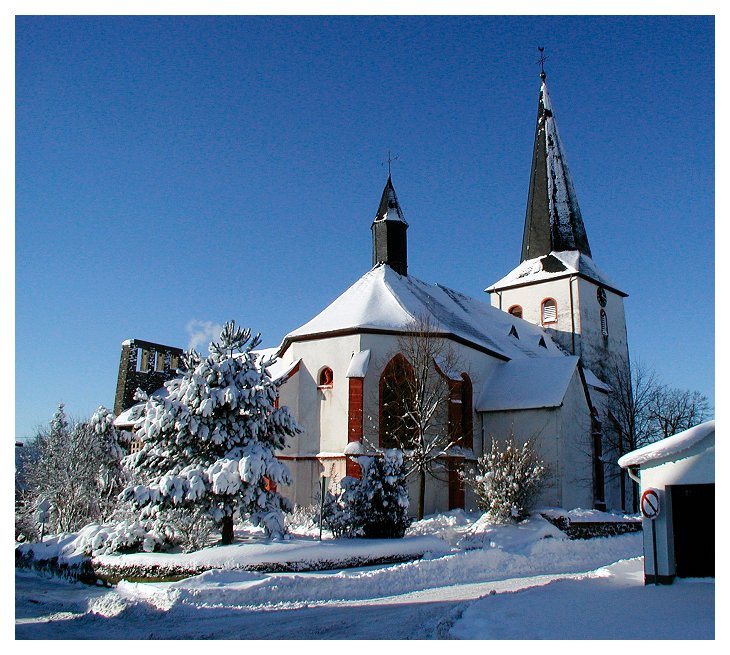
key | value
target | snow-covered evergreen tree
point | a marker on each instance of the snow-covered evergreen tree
(210, 443)
(111, 445)
(76, 468)
(379, 500)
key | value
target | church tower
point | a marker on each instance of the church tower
(557, 285)
(389, 232)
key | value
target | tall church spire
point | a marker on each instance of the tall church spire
(389, 232)
(553, 220)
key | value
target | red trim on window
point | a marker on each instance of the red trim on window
(512, 309)
(355, 410)
(467, 412)
(456, 484)
(326, 378)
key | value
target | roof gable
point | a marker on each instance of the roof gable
(528, 383)
(555, 265)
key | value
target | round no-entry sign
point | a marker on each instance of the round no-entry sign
(650, 503)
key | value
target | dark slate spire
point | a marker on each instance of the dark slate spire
(389, 232)
(553, 221)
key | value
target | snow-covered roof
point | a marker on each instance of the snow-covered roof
(593, 381)
(670, 447)
(383, 300)
(277, 369)
(358, 364)
(129, 417)
(555, 265)
(527, 383)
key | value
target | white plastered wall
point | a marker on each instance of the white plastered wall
(578, 312)
(530, 298)
(595, 349)
(563, 441)
(321, 412)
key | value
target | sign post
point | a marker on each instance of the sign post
(650, 509)
(41, 513)
(322, 494)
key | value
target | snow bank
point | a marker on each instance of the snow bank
(295, 553)
(580, 515)
(529, 548)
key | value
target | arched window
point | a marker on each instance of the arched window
(549, 311)
(515, 310)
(467, 421)
(604, 323)
(460, 412)
(396, 430)
(326, 378)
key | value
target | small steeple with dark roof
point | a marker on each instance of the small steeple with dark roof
(389, 232)
(553, 221)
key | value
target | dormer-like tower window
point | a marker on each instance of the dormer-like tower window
(515, 310)
(549, 311)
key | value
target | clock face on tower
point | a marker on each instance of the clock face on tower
(601, 295)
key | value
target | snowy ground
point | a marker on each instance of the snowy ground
(516, 582)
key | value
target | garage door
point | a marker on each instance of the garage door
(693, 516)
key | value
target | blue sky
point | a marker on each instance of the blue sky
(177, 170)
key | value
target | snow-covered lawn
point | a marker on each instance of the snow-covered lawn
(482, 582)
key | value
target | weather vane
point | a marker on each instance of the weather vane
(542, 61)
(389, 161)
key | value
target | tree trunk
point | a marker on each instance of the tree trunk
(227, 530)
(421, 492)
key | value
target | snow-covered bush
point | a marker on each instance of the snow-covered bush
(191, 528)
(507, 481)
(378, 501)
(303, 518)
(337, 511)
(209, 444)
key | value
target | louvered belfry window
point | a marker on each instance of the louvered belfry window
(549, 311)
(604, 323)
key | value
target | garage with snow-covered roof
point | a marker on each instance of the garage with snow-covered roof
(677, 479)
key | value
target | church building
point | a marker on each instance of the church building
(533, 362)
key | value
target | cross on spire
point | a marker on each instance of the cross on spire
(389, 161)
(542, 61)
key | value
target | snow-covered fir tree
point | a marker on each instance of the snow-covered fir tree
(379, 500)
(210, 443)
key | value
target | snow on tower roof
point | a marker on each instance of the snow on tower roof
(527, 383)
(382, 300)
(389, 208)
(555, 265)
(670, 447)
